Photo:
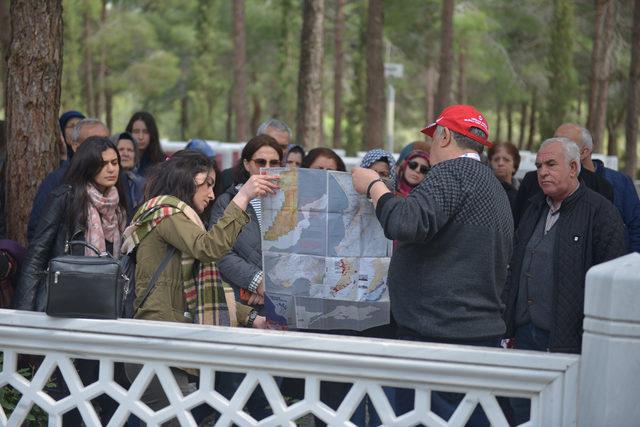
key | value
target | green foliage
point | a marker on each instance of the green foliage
(71, 93)
(161, 53)
(561, 73)
(354, 108)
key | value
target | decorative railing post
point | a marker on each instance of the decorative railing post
(610, 363)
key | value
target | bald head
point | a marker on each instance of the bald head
(570, 131)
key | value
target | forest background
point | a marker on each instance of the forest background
(215, 69)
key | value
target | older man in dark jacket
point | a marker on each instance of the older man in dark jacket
(566, 229)
(564, 232)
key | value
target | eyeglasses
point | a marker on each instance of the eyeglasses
(413, 165)
(261, 163)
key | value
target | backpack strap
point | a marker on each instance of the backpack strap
(171, 250)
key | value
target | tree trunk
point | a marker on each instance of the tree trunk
(462, 83)
(89, 94)
(443, 98)
(257, 113)
(33, 100)
(374, 118)
(601, 59)
(239, 99)
(308, 118)
(355, 104)
(523, 124)
(579, 107)
(183, 92)
(229, 124)
(337, 76)
(5, 40)
(184, 116)
(510, 122)
(498, 137)
(430, 78)
(108, 106)
(102, 67)
(532, 119)
(561, 71)
(612, 147)
(633, 97)
(281, 105)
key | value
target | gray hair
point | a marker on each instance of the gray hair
(587, 139)
(275, 124)
(570, 148)
(464, 141)
(75, 134)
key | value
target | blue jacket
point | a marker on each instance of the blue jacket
(626, 200)
(135, 186)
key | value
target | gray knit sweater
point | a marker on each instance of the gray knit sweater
(455, 234)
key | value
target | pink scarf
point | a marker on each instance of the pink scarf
(105, 220)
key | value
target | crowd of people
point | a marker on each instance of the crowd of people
(479, 257)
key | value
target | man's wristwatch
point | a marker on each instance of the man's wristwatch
(371, 184)
(252, 318)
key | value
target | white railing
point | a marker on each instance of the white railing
(482, 374)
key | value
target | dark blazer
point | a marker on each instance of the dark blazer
(590, 232)
(529, 187)
(48, 242)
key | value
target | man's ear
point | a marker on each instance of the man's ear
(447, 137)
(573, 165)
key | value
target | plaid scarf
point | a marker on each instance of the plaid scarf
(207, 298)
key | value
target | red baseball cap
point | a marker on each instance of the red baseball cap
(460, 119)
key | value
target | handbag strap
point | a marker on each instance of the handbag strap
(171, 250)
(69, 244)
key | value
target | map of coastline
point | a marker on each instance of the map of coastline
(324, 253)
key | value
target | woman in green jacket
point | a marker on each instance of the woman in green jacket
(189, 289)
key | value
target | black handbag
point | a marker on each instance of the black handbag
(84, 286)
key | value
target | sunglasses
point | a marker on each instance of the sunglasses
(261, 163)
(413, 165)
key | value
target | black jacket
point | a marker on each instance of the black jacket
(590, 231)
(244, 261)
(48, 242)
(529, 187)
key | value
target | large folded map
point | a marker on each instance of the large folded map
(324, 254)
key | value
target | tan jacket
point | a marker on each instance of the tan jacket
(166, 301)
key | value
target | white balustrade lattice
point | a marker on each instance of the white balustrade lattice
(480, 374)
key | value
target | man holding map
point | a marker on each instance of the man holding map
(454, 234)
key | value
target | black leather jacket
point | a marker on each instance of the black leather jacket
(49, 242)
